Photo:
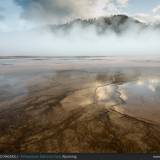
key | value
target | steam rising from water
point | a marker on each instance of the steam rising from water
(84, 41)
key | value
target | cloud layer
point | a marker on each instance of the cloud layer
(58, 11)
(24, 28)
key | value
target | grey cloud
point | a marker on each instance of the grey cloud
(1, 9)
(53, 6)
(1, 17)
(53, 11)
(45, 10)
(156, 9)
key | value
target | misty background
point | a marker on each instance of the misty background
(79, 28)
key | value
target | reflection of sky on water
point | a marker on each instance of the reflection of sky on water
(144, 87)
(11, 86)
(19, 80)
(139, 98)
(8, 61)
(107, 95)
(152, 83)
(142, 98)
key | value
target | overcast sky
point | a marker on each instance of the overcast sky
(20, 18)
(25, 14)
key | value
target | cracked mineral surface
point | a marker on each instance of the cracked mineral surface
(80, 104)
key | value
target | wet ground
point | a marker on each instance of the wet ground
(80, 104)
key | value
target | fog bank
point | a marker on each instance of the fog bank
(81, 41)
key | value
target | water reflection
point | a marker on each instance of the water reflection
(139, 98)
(8, 61)
(106, 95)
(142, 98)
(151, 83)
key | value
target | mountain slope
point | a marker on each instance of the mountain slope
(116, 23)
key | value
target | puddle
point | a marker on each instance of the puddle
(142, 98)
(108, 95)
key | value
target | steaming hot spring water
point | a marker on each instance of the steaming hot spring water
(139, 99)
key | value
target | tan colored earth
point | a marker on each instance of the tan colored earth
(80, 104)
